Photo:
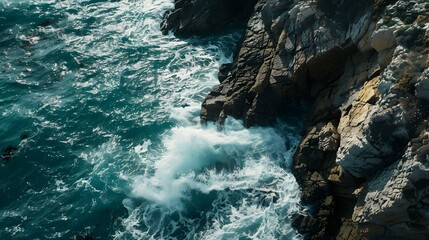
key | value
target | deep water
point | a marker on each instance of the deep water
(104, 112)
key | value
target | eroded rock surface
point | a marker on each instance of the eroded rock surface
(396, 201)
(289, 50)
(362, 163)
(201, 17)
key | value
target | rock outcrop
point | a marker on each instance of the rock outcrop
(201, 17)
(289, 50)
(395, 203)
(363, 160)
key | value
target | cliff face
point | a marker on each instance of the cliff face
(363, 161)
(199, 17)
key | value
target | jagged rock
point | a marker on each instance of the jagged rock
(224, 71)
(374, 133)
(306, 224)
(312, 150)
(349, 230)
(200, 17)
(8, 152)
(345, 180)
(358, 68)
(329, 139)
(212, 105)
(290, 49)
(370, 137)
(364, 65)
(378, 110)
(395, 198)
(422, 86)
(315, 226)
(24, 136)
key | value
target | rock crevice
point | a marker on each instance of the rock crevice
(363, 159)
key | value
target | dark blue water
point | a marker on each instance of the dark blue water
(103, 111)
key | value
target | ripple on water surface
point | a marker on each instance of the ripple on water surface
(114, 148)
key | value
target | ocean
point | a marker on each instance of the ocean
(101, 136)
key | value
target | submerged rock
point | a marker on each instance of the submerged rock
(265, 196)
(8, 152)
(83, 237)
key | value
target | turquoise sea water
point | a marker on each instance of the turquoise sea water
(104, 112)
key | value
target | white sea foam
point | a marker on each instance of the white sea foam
(241, 174)
(189, 150)
(198, 182)
(247, 164)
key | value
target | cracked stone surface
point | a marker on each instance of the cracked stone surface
(363, 159)
(396, 200)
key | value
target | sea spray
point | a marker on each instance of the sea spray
(190, 150)
(115, 149)
(233, 182)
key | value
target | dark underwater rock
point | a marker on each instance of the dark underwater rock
(8, 152)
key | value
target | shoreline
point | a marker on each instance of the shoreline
(363, 66)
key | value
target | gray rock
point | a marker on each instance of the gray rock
(364, 65)
(202, 17)
(290, 49)
(396, 198)
(383, 39)
(422, 86)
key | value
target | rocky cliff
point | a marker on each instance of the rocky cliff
(363, 161)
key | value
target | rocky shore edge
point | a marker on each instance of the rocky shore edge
(363, 162)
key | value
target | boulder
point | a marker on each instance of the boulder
(383, 39)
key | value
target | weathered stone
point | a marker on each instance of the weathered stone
(224, 70)
(422, 86)
(320, 139)
(383, 39)
(363, 64)
(349, 230)
(307, 224)
(395, 198)
(329, 139)
(201, 17)
(286, 54)
(212, 107)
